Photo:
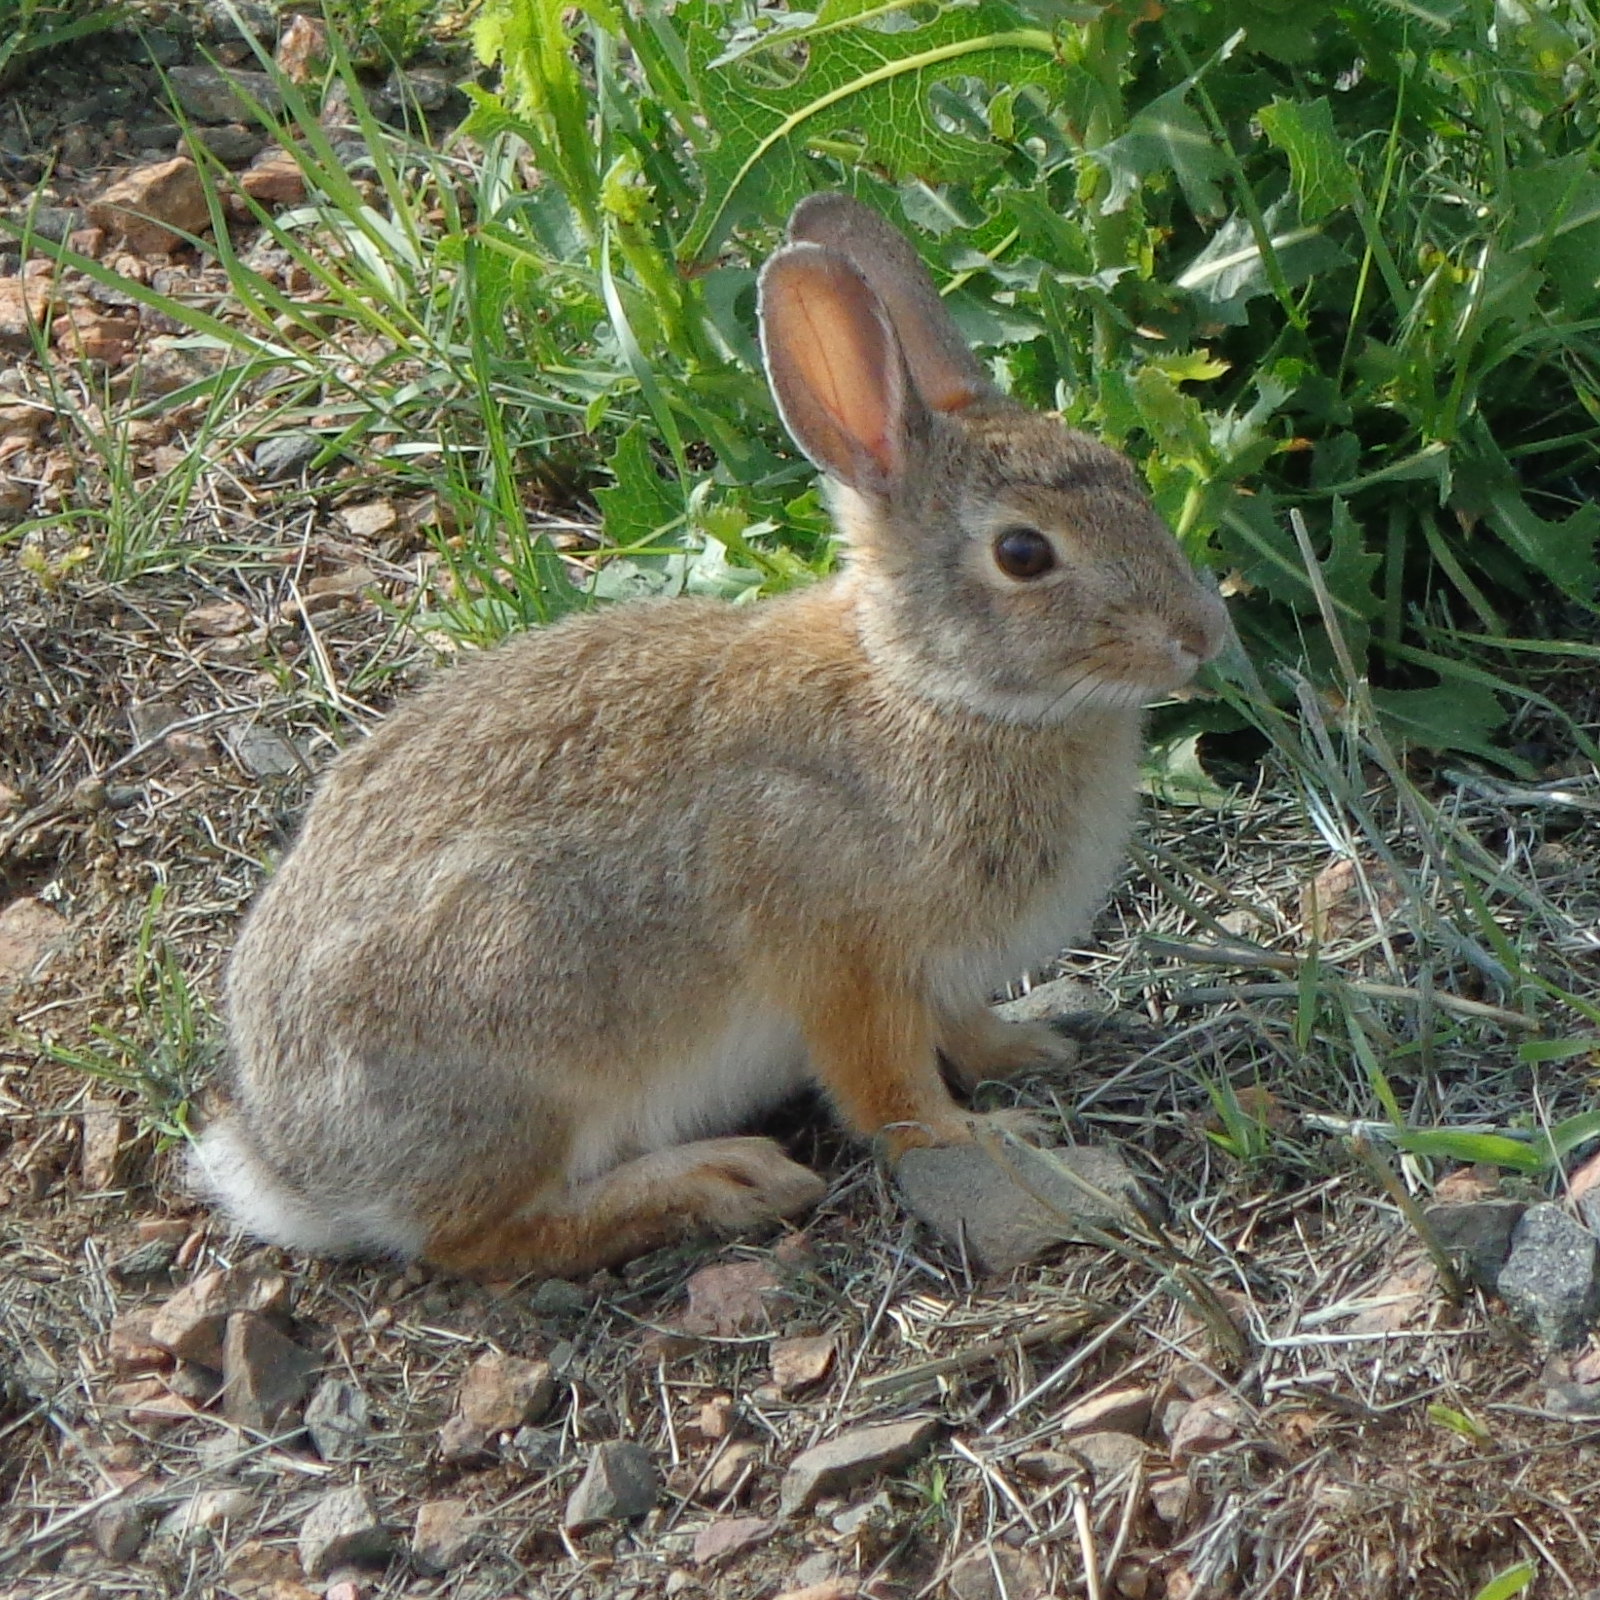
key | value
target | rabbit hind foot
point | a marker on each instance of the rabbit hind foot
(710, 1186)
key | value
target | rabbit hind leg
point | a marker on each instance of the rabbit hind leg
(710, 1186)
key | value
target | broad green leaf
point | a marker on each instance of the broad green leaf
(1493, 1149)
(641, 503)
(1451, 716)
(1168, 135)
(867, 77)
(1504, 1585)
(1535, 1050)
(1230, 272)
(1350, 566)
(1323, 178)
(1563, 551)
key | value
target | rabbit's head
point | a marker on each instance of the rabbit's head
(1006, 564)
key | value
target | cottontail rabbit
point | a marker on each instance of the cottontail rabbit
(585, 906)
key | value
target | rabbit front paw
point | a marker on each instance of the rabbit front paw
(960, 1127)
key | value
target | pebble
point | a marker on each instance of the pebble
(193, 1322)
(621, 1482)
(1551, 1279)
(337, 1420)
(266, 1377)
(443, 1536)
(1479, 1230)
(343, 1529)
(499, 1394)
(285, 455)
(853, 1458)
(728, 1537)
(1125, 1410)
(969, 1198)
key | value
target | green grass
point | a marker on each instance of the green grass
(31, 28)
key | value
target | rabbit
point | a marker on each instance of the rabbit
(577, 912)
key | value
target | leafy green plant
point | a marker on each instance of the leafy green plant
(1335, 267)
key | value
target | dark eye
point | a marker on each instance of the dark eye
(1023, 553)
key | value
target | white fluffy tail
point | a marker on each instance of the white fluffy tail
(226, 1171)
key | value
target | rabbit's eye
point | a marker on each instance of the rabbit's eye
(1023, 553)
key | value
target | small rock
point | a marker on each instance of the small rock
(733, 1470)
(130, 1345)
(240, 21)
(118, 1530)
(1480, 1231)
(189, 1525)
(190, 1381)
(342, 1530)
(371, 521)
(274, 178)
(717, 1417)
(1172, 1497)
(1196, 1380)
(555, 1297)
(443, 1536)
(800, 1364)
(149, 1403)
(997, 1572)
(1207, 1425)
(1552, 1277)
(85, 334)
(55, 223)
(285, 455)
(1044, 1002)
(621, 1482)
(1108, 1454)
(870, 1517)
(963, 1193)
(499, 1394)
(233, 144)
(1116, 1411)
(537, 1448)
(728, 1537)
(1046, 1466)
(161, 368)
(1468, 1184)
(152, 206)
(101, 1148)
(828, 1589)
(192, 1323)
(303, 50)
(266, 1377)
(209, 94)
(731, 1299)
(30, 933)
(336, 1419)
(265, 754)
(219, 619)
(853, 1458)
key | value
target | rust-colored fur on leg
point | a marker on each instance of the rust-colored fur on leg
(714, 1185)
(980, 1047)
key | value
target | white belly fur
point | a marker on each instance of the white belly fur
(754, 1062)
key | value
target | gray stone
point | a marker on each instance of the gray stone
(1107, 1453)
(343, 1529)
(285, 455)
(1552, 1277)
(266, 754)
(964, 1193)
(52, 222)
(209, 94)
(1480, 1232)
(337, 1420)
(443, 1536)
(265, 1376)
(839, 1465)
(233, 144)
(118, 1530)
(621, 1482)
(240, 21)
(537, 1448)
(1589, 1209)
(556, 1297)
(1061, 999)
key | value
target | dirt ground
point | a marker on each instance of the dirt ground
(1275, 1393)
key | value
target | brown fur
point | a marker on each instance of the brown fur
(619, 883)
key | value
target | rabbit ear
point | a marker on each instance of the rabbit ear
(947, 375)
(835, 367)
